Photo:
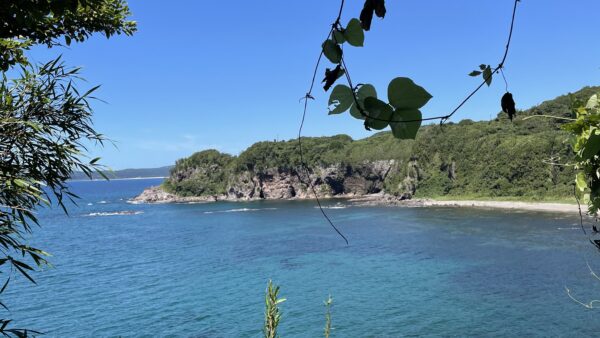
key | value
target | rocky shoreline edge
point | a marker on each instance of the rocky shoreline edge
(156, 195)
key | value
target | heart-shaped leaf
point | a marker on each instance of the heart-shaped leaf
(406, 130)
(592, 146)
(362, 93)
(403, 93)
(487, 75)
(332, 51)
(354, 33)
(338, 37)
(340, 100)
(379, 112)
(592, 102)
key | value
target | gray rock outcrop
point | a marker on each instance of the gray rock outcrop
(276, 183)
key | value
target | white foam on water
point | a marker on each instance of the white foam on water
(336, 206)
(239, 210)
(114, 213)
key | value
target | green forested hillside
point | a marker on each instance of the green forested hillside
(487, 159)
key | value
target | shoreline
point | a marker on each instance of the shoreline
(386, 200)
(116, 179)
(155, 195)
(506, 205)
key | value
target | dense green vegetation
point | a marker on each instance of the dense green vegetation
(203, 173)
(586, 143)
(523, 159)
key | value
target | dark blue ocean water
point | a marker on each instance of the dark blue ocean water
(200, 270)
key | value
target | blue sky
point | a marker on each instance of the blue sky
(210, 74)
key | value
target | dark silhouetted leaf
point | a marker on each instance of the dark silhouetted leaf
(338, 36)
(331, 76)
(379, 112)
(592, 147)
(354, 33)
(508, 105)
(362, 93)
(406, 130)
(366, 15)
(379, 8)
(403, 93)
(487, 75)
(332, 51)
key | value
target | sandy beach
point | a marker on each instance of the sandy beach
(530, 206)
(389, 200)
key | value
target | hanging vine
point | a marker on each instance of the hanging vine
(405, 98)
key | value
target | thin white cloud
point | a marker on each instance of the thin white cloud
(186, 142)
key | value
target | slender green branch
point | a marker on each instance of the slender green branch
(550, 116)
(328, 304)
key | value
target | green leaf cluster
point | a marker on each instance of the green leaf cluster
(402, 112)
(486, 73)
(52, 22)
(44, 121)
(352, 34)
(585, 128)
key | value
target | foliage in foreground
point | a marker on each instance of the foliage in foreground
(273, 313)
(30, 22)
(45, 121)
(485, 159)
(405, 98)
(585, 128)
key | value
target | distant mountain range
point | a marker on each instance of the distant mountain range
(128, 173)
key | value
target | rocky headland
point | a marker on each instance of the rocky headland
(334, 181)
(464, 164)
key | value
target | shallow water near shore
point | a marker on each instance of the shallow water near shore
(200, 270)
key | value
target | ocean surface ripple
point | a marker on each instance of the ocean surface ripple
(200, 270)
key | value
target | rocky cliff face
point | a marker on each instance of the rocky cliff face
(335, 180)
(276, 183)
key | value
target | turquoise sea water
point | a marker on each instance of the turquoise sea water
(200, 270)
